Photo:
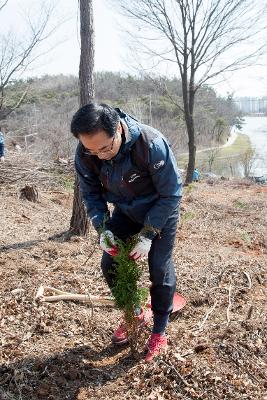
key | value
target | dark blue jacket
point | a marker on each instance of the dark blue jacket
(146, 194)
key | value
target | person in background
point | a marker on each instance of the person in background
(121, 161)
(2, 146)
(196, 175)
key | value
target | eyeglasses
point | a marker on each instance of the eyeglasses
(106, 149)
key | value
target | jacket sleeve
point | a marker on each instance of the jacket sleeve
(91, 190)
(167, 181)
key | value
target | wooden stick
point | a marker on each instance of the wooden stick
(248, 278)
(176, 372)
(229, 304)
(40, 292)
(67, 296)
(57, 291)
(207, 316)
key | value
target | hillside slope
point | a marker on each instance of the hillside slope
(59, 351)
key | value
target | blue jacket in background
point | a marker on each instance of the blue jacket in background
(146, 195)
(2, 146)
(195, 175)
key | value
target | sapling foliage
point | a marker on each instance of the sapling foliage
(128, 296)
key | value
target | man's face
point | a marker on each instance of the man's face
(102, 145)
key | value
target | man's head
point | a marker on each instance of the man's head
(98, 128)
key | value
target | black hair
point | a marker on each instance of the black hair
(94, 117)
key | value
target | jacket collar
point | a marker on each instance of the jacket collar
(131, 132)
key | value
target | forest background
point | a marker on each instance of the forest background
(41, 124)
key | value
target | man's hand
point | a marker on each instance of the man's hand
(108, 244)
(141, 249)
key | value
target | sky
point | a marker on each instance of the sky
(110, 45)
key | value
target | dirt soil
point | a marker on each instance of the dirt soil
(217, 343)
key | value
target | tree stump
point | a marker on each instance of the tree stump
(29, 193)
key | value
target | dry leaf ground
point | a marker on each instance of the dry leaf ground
(57, 351)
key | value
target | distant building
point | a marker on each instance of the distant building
(252, 105)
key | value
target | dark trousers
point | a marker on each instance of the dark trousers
(161, 267)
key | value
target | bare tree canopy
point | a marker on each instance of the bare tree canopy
(209, 36)
(202, 38)
(17, 53)
(2, 4)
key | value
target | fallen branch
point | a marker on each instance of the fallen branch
(248, 278)
(177, 373)
(59, 295)
(229, 305)
(207, 316)
(231, 353)
(91, 253)
(249, 313)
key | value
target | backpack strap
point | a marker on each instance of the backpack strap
(140, 152)
(140, 149)
(122, 114)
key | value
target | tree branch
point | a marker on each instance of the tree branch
(3, 4)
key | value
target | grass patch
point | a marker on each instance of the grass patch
(239, 204)
(186, 217)
(67, 182)
(189, 188)
(241, 145)
(246, 237)
(226, 159)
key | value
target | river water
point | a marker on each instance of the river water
(244, 163)
(256, 129)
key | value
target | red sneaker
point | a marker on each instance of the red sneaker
(156, 344)
(120, 336)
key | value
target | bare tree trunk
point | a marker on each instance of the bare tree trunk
(191, 149)
(189, 99)
(79, 220)
(87, 91)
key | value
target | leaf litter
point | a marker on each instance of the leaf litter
(217, 343)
